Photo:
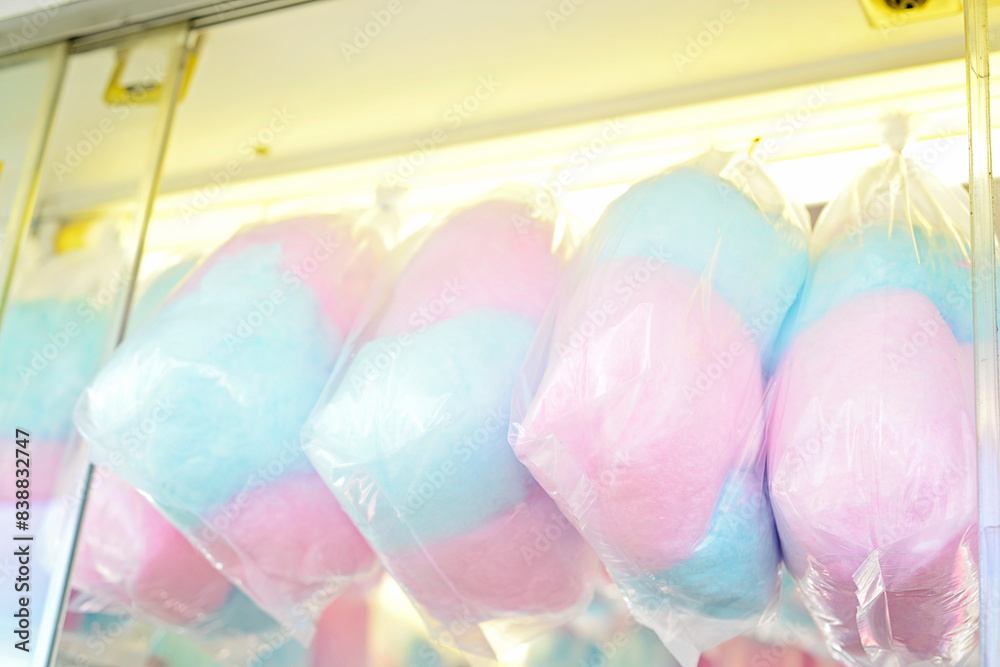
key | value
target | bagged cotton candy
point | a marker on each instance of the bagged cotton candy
(52, 339)
(412, 434)
(871, 434)
(793, 626)
(640, 408)
(129, 552)
(127, 640)
(741, 651)
(108, 639)
(200, 409)
(342, 631)
(128, 555)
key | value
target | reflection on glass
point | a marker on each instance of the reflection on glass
(71, 281)
(28, 86)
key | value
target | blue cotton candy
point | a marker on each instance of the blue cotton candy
(226, 377)
(289, 654)
(873, 259)
(49, 350)
(426, 414)
(793, 611)
(705, 224)
(157, 292)
(251, 630)
(732, 572)
(422, 653)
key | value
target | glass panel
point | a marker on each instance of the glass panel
(984, 301)
(28, 86)
(71, 284)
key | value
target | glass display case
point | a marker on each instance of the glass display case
(137, 138)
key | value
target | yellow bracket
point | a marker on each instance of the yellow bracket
(146, 93)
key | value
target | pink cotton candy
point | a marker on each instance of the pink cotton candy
(747, 652)
(517, 563)
(873, 459)
(342, 632)
(128, 550)
(493, 254)
(412, 436)
(323, 249)
(653, 388)
(296, 536)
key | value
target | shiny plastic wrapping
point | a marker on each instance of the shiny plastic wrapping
(130, 557)
(106, 639)
(51, 343)
(129, 553)
(200, 409)
(126, 640)
(640, 408)
(793, 626)
(130, 560)
(871, 432)
(411, 433)
(605, 635)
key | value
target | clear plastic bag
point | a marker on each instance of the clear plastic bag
(411, 432)
(125, 640)
(130, 560)
(200, 410)
(871, 433)
(606, 636)
(640, 408)
(793, 626)
(51, 342)
(131, 557)
(88, 640)
(342, 632)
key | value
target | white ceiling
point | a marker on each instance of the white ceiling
(606, 59)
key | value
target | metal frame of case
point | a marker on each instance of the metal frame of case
(984, 297)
